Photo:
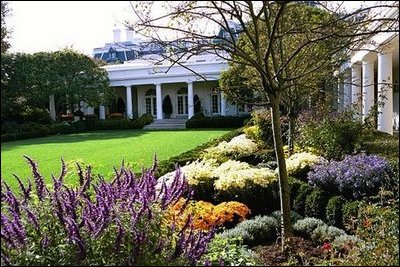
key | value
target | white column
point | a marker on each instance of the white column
(129, 113)
(340, 94)
(356, 88)
(190, 100)
(347, 91)
(223, 105)
(385, 92)
(102, 111)
(368, 96)
(159, 100)
(52, 107)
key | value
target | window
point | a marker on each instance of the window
(215, 103)
(182, 101)
(151, 102)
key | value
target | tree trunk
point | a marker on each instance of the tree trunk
(286, 224)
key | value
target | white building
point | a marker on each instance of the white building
(371, 77)
(143, 83)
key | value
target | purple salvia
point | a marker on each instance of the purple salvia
(6, 186)
(13, 202)
(25, 191)
(56, 183)
(58, 207)
(32, 218)
(155, 163)
(63, 172)
(37, 177)
(81, 246)
(45, 242)
(7, 232)
(80, 174)
(5, 259)
(18, 229)
(119, 236)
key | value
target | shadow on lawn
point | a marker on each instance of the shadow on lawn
(73, 138)
(88, 136)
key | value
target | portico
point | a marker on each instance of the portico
(372, 78)
(143, 85)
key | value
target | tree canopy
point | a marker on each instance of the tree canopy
(5, 32)
(29, 79)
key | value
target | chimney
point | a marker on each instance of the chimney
(129, 34)
(117, 35)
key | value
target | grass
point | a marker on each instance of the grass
(102, 150)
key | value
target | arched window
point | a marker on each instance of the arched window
(182, 101)
(150, 102)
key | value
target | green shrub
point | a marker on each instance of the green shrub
(332, 134)
(261, 118)
(36, 115)
(293, 215)
(349, 214)
(216, 122)
(299, 201)
(228, 252)
(325, 233)
(378, 227)
(315, 204)
(306, 226)
(256, 231)
(334, 211)
(259, 199)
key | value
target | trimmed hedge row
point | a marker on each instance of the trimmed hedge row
(199, 121)
(32, 130)
(311, 201)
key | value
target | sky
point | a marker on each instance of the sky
(53, 25)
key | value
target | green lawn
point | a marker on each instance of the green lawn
(102, 150)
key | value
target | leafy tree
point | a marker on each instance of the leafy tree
(167, 105)
(5, 33)
(71, 77)
(279, 46)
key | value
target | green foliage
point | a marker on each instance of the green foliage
(25, 131)
(215, 122)
(332, 134)
(229, 252)
(262, 120)
(378, 227)
(306, 226)
(256, 231)
(259, 199)
(167, 105)
(325, 233)
(5, 32)
(68, 75)
(300, 199)
(32, 130)
(294, 216)
(37, 115)
(350, 213)
(315, 204)
(334, 210)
